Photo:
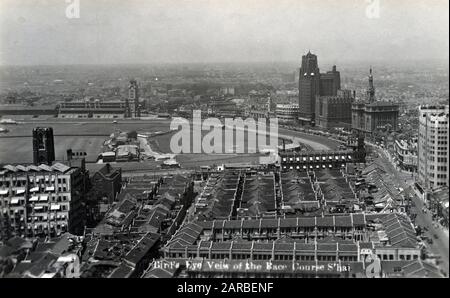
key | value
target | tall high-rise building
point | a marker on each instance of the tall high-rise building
(330, 82)
(311, 84)
(308, 87)
(433, 149)
(133, 96)
(43, 146)
(371, 90)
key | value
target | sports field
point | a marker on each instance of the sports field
(88, 136)
(19, 150)
(17, 146)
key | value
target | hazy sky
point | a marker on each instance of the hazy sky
(153, 31)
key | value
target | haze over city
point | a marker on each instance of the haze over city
(120, 32)
(215, 140)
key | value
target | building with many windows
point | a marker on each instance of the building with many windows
(406, 154)
(294, 244)
(334, 111)
(287, 112)
(42, 200)
(433, 149)
(369, 115)
(311, 84)
(92, 108)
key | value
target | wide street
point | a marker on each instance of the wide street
(440, 245)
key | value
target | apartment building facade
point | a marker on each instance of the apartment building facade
(433, 149)
(39, 201)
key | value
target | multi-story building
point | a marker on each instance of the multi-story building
(406, 154)
(330, 82)
(433, 149)
(334, 111)
(369, 115)
(312, 84)
(107, 182)
(43, 145)
(287, 112)
(92, 108)
(42, 200)
(133, 96)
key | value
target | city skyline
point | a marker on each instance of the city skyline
(214, 140)
(213, 32)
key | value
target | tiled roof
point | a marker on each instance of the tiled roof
(400, 231)
(418, 268)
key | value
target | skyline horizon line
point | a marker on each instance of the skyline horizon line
(323, 60)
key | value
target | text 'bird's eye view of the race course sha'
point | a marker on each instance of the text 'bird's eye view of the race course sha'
(204, 139)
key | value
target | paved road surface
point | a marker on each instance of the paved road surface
(440, 245)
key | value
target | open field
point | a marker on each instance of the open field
(88, 136)
(20, 149)
(17, 146)
(88, 127)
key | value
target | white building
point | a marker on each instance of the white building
(406, 154)
(433, 151)
(287, 112)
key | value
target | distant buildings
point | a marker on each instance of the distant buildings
(26, 111)
(92, 108)
(133, 96)
(43, 146)
(121, 147)
(127, 153)
(334, 111)
(312, 84)
(433, 168)
(369, 115)
(287, 112)
(223, 108)
(288, 77)
(96, 108)
(227, 91)
(316, 160)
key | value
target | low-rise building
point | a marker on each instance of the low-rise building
(149, 210)
(293, 245)
(92, 108)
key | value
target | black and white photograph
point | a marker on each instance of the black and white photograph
(224, 145)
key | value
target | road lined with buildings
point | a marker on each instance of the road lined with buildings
(440, 238)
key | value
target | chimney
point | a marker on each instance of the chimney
(69, 154)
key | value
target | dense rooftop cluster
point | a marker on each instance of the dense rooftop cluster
(149, 210)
